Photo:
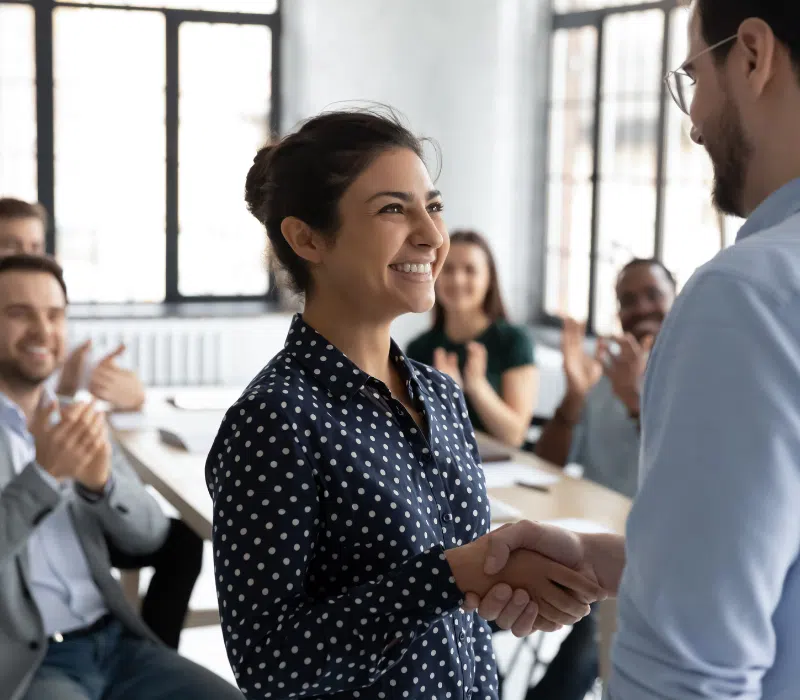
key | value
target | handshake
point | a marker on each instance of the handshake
(528, 576)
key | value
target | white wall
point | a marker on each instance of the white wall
(469, 73)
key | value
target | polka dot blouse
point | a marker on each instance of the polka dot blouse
(332, 511)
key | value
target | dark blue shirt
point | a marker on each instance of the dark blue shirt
(332, 511)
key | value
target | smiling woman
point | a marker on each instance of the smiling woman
(349, 506)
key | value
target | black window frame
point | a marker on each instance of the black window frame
(597, 18)
(45, 120)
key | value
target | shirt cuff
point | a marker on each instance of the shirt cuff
(95, 496)
(48, 478)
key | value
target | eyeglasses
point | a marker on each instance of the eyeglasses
(681, 85)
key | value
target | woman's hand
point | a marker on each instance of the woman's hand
(475, 366)
(561, 595)
(447, 363)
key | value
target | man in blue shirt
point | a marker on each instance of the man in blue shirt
(710, 597)
(596, 425)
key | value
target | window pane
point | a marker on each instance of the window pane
(251, 6)
(631, 92)
(225, 78)
(570, 171)
(693, 230)
(17, 103)
(110, 153)
(577, 5)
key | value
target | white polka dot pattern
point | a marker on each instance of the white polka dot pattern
(332, 511)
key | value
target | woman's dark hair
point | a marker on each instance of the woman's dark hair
(720, 19)
(34, 263)
(305, 174)
(493, 305)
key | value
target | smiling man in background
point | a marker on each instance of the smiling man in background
(177, 563)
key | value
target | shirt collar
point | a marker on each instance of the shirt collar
(332, 368)
(12, 417)
(775, 209)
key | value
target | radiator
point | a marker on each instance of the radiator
(163, 354)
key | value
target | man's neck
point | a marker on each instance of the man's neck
(26, 397)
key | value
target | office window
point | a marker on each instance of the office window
(629, 109)
(224, 118)
(17, 103)
(570, 170)
(158, 107)
(624, 178)
(694, 231)
(249, 6)
(110, 153)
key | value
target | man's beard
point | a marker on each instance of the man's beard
(730, 155)
(16, 376)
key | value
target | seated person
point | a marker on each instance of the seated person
(472, 341)
(597, 426)
(67, 630)
(177, 563)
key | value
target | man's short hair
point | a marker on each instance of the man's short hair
(720, 19)
(649, 262)
(11, 208)
(34, 263)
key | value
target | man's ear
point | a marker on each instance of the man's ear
(302, 239)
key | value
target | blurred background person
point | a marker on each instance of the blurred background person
(473, 342)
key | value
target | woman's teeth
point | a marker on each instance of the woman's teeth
(421, 268)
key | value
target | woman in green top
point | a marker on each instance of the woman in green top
(473, 342)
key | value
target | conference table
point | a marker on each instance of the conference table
(178, 474)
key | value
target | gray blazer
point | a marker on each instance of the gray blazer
(129, 517)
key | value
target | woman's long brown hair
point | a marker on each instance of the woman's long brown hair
(493, 305)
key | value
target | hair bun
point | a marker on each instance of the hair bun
(258, 179)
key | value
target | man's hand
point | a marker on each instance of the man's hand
(561, 595)
(626, 368)
(581, 370)
(66, 448)
(96, 472)
(72, 372)
(447, 363)
(122, 388)
(600, 557)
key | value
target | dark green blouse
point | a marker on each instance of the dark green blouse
(507, 347)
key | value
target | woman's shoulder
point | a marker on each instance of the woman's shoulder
(512, 340)
(421, 348)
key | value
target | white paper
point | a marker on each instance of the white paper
(502, 511)
(195, 431)
(507, 474)
(579, 525)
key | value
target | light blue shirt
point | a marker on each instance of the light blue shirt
(61, 582)
(606, 441)
(709, 605)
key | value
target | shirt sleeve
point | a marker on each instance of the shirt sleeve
(269, 507)
(714, 530)
(520, 348)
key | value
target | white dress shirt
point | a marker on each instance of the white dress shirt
(61, 583)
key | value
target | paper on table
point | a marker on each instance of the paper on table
(506, 474)
(579, 525)
(502, 512)
(193, 431)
